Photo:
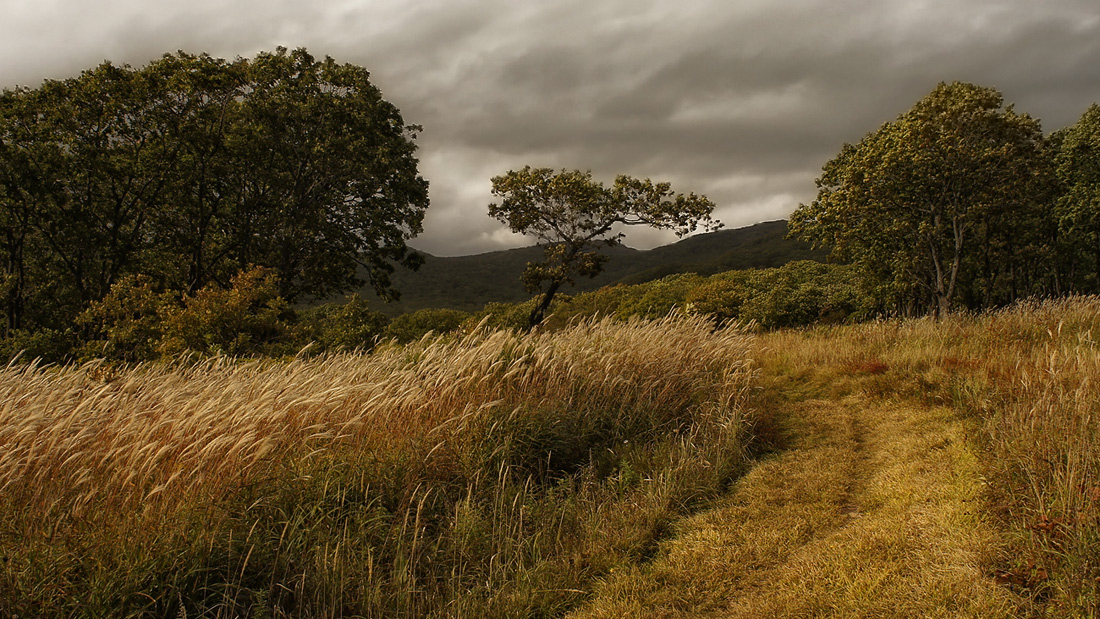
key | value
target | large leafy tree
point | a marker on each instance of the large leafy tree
(191, 169)
(938, 201)
(111, 179)
(331, 182)
(199, 113)
(1078, 168)
(572, 215)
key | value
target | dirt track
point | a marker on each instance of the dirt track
(871, 509)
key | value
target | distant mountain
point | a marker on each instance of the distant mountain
(469, 282)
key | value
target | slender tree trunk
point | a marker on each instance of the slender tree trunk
(1097, 248)
(939, 295)
(15, 273)
(539, 313)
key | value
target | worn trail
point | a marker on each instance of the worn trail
(872, 509)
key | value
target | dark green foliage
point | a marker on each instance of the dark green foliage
(415, 325)
(191, 169)
(351, 325)
(45, 345)
(572, 215)
(800, 294)
(944, 205)
(1077, 157)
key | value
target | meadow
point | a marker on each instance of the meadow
(493, 474)
(486, 474)
(1025, 383)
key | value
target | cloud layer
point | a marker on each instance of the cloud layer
(742, 101)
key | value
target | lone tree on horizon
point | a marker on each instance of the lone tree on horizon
(572, 215)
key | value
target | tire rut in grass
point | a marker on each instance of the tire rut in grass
(872, 510)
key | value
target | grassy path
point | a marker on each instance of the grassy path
(872, 509)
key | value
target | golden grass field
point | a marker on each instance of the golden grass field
(492, 474)
(912, 468)
(1022, 385)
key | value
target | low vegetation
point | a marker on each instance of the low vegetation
(1024, 382)
(927, 469)
(575, 469)
(488, 475)
(137, 322)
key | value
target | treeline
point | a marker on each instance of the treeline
(962, 202)
(137, 322)
(192, 169)
(191, 203)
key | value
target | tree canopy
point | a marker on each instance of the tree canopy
(1078, 168)
(572, 215)
(947, 199)
(193, 168)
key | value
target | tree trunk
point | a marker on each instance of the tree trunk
(1097, 268)
(539, 313)
(15, 272)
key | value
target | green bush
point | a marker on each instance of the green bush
(802, 293)
(516, 316)
(135, 322)
(796, 294)
(45, 345)
(650, 300)
(721, 297)
(656, 299)
(128, 323)
(248, 318)
(344, 326)
(605, 301)
(415, 325)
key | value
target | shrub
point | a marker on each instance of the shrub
(128, 323)
(516, 316)
(720, 297)
(344, 326)
(45, 345)
(657, 298)
(248, 318)
(802, 293)
(415, 325)
(604, 301)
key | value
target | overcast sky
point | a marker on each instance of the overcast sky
(741, 100)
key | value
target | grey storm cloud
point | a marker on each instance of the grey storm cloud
(743, 101)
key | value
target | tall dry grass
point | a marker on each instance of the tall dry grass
(1029, 376)
(488, 475)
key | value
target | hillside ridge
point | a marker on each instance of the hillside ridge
(469, 282)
